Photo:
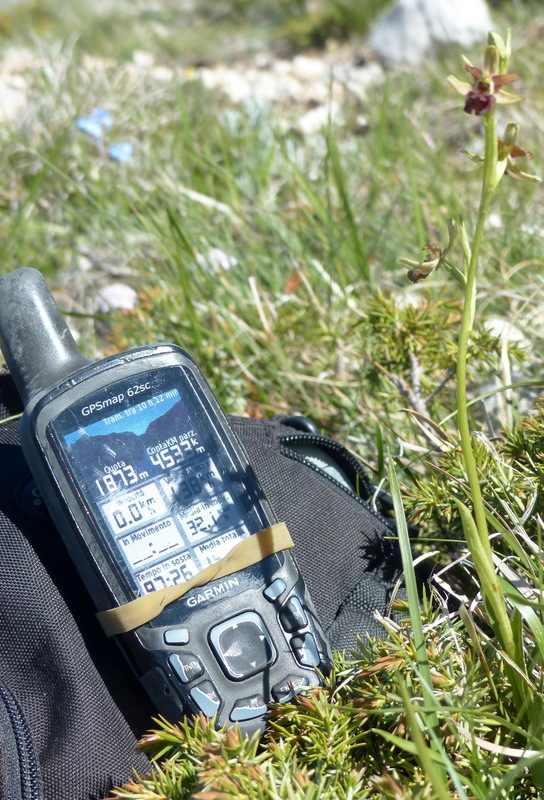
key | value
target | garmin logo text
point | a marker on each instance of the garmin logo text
(213, 591)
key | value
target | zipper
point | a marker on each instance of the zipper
(22, 780)
(347, 462)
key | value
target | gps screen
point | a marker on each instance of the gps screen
(168, 493)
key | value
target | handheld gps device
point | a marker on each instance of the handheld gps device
(149, 487)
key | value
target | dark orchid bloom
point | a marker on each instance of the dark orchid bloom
(486, 90)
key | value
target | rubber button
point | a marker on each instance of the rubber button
(206, 698)
(248, 708)
(186, 666)
(292, 615)
(242, 645)
(305, 650)
(176, 636)
(289, 687)
(273, 591)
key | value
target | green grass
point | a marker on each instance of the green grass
(314, 316)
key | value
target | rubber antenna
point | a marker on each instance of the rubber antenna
(37, 345)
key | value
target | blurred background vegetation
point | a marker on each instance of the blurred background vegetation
(182, 28)
(200, 29)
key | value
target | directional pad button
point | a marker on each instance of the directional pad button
(242, 645)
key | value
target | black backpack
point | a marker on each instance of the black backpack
(70, 709)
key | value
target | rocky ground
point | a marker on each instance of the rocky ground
(315, 82)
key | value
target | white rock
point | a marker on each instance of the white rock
(162, 74)
(495, 221)
(13, 91)
(117, 295)
(408, 33)
(532, 228)
(318, 118)
(309, 69)
(215, 260)
(230, 81)
(358, 80)
(143, 59)
(15, 66)
(306, 81)
(505, 331)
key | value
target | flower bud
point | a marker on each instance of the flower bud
(504, 48)
(510, 136)
(492, 60)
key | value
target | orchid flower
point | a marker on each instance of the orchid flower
(436, 257)
(486, 89)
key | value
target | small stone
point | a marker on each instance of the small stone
(309, 69)
(162, 74)
(117, 295)
(358, 80)
(13, 91)
(143, 59)
(495, 221)
(15, 67)
(231, 81)
(505, 331)
(318, 118)
(215, 260)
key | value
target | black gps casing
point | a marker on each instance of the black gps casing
(226, 649)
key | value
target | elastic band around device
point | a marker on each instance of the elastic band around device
(245, 553)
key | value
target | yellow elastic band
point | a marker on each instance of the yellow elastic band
(245, 553)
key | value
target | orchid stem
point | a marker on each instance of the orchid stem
(493, 595)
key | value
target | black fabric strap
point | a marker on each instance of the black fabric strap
(73, 687)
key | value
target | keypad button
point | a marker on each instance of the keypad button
(176, 636)
(248, 708)
(186, 666)
(274, 590)
(242, 645)
(305, 650)
(293, 616)
(206, 698)
(286, 689)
